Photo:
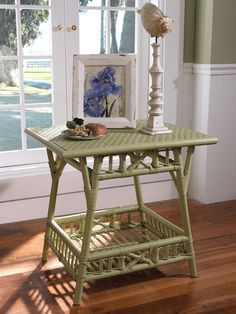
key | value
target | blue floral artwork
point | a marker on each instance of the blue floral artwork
(101, 85)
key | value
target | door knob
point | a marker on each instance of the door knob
(73, 28)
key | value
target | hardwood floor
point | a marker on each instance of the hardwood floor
(26, 287)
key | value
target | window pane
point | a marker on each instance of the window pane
(35, 32)
(121, 3)
(112, 3)
(122, 32)
(37, 81)
(7, 1)
(94, 3)
(93, 40)
(130, 3)
(35, 2)
(37, 117)
(8, 39)
(10, 131)
(9, 83)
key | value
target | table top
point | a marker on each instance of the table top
(117, 140)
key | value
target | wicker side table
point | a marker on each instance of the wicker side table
(99, 244)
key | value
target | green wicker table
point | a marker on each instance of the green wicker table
(99, 244)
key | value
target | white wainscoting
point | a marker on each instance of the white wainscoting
(31, 202)
(213, 99)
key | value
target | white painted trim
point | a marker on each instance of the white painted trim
(209, 69)
(212, 69)
(23, 171)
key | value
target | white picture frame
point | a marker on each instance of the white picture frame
(104, 89)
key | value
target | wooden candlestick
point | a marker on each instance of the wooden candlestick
(155, 124)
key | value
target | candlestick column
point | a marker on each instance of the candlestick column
(155, 124)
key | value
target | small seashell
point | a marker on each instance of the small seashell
(154, 21)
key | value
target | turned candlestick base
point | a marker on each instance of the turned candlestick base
(153, 131)
(154, 126)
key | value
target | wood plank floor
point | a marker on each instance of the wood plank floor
(26, 287)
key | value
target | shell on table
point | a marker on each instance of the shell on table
(154, 21)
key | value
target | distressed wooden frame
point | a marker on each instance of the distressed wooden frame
(127, 65)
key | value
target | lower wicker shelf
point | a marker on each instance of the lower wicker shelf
(123, 239)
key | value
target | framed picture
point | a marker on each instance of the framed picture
(104, 89)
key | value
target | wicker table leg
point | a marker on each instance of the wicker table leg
(139, 196)
(181, 182)
(56, 168)
(91, 185)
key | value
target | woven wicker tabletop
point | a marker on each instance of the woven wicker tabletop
(117, 140)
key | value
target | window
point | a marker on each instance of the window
(25, 72)
(37, 41)
(115, 26)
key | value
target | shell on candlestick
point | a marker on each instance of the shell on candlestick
(154, 21)
(157, 25)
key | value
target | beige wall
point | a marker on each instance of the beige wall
(210, 31)
(224, 32)
(189, 30)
